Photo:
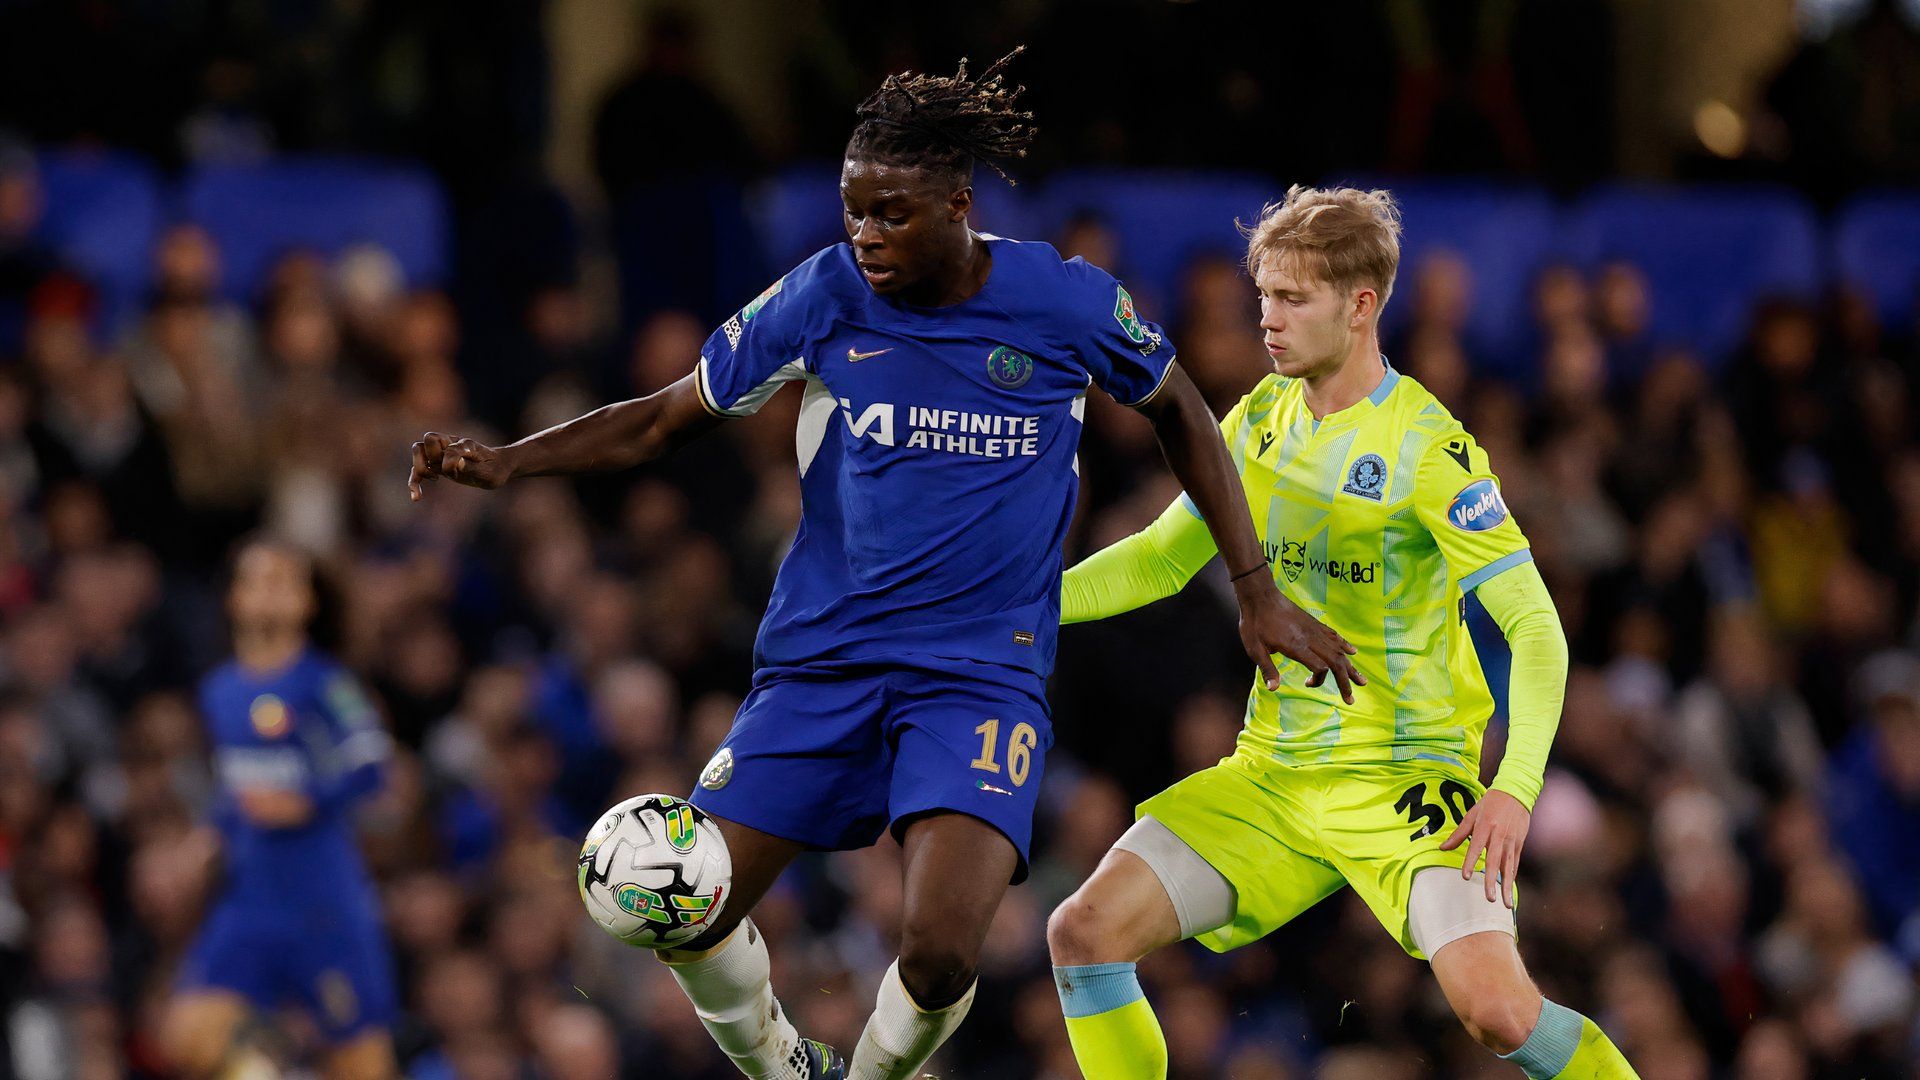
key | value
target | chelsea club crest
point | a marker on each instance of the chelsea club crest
(1367, 477)
(1009, 368)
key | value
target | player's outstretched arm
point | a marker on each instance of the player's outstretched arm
(1523, 609)
(617, 436)
(1150, 565)
(1269, 623)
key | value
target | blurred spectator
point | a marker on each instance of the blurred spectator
(663, 119)
(1742, 731)
(1876, 794)
(25, 261)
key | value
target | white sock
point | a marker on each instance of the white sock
(731, 987)
(901, 1036)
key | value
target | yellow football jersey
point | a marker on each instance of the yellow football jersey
(1377, 520)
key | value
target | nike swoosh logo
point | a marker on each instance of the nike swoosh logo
(1458, 451)
(1266, 440)
(855, 357)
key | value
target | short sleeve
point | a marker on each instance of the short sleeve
(1127, 356)
(1458, 500)
(753, 353)
(358, 737)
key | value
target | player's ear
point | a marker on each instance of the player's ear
(960, 203)
(1365, 301)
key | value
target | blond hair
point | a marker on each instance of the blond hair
(1344, 236)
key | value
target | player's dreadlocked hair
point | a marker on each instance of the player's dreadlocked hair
(945, 122)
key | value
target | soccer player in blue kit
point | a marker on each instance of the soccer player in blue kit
(901, 666)
(294, 919)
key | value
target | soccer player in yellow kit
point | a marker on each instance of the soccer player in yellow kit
(1378, 513)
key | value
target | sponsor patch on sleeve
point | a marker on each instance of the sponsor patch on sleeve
(1478, 507)
(1127, 317)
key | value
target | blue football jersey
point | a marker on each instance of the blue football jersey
(936, 450)
(307, 728)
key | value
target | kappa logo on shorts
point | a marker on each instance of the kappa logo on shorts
(718, 771)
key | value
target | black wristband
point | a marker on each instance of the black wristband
(1247, 571)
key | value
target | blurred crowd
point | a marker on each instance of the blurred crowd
(1724, 868)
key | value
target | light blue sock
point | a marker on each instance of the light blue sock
(1091, 989)
(1555, 1037)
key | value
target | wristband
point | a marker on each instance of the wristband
(1245, 572)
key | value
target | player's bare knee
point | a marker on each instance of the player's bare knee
(1501, 1022)
(1090, 929)
(935, 972)
(1074, 934)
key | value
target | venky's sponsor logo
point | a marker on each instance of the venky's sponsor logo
(1477, 508)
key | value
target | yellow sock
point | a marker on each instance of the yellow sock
(1567, 1046)
(1114, 1033)
(1597, 1058)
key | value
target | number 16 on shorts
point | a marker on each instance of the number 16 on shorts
(1020, 743)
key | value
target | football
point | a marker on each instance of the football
(654, 871)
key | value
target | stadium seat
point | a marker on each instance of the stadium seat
(797, 212)
(700, 253)
(1709, 253)
(1163, 219)
(103, 215)
(1876, 247)
(257, 213)
(1506, 235)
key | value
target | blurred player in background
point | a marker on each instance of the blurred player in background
(294, 919)
(901, 666)
(1379, 513)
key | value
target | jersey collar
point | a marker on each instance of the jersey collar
(1375, 399)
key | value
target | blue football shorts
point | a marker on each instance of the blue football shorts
(829, 755)
(333, 964)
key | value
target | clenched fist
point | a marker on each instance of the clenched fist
(462, 461)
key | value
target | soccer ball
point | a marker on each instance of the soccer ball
(654, 872)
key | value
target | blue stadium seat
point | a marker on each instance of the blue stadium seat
(1876, 247)
(1709, 253)
(103, 215)
(1506, 235)
(688, 243)
(797, 212)
(257, 213)
(1163, 219)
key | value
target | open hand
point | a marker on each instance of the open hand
(462, 461)
(1270, 623)
(1496, 825)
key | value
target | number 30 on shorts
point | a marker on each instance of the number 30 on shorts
(1020, 743)
(1457, 796)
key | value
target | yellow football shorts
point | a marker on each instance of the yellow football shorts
(1287, 838)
